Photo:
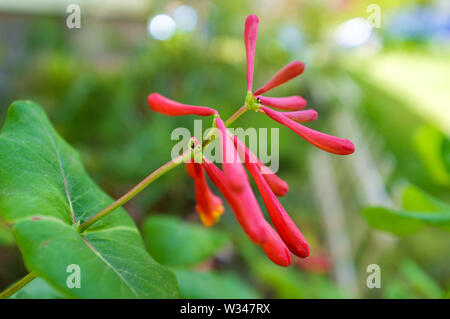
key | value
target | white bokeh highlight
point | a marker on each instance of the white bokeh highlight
(161, 27)
(185, 18)
(353, 33)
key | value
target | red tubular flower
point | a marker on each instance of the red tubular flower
(209, 206)
(275, 249)
(231, 164)
(233, 181)
(276, 184)
(288, 103)
(284, 225)
(287, 73)
(244, 204)
(301, 116)
(161, 104)
(249, 216)
(323, 141)
(250, 32)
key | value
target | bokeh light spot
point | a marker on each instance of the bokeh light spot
(185, 17)
(162, 27)
(353, 33)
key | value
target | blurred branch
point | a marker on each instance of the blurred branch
(368, 182)
(328, 199)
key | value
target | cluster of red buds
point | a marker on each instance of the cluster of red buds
(232, 179)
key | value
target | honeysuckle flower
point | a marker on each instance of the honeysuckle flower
(209, 206)
(161, 104)
(275, 248)
(233, 181)
(284, 225)
(301, 116)
(249, 215)
(231, 164)
(250, 32)
(323, 141)
(288, 103)
(287, 73)
(278, 186)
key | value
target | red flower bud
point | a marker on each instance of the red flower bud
(161, 104)
(301, 116)
(231, 164)
(287, 73)
(323, 141)
(209, 206)
(284, 225)
(250, 32)
(288, 103)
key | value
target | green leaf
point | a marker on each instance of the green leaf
(213, 285)
(402, 222)
(429, 144)
(45, 192)
(174, 242)
(6, 236)
(420, 210)
(389, 220)
(398, 290)
(286, 282)
(413, 198)
(37, 289)
(420, 281)
(446, 153)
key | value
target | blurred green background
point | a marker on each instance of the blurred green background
(386, 88)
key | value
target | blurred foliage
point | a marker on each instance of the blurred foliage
(177, 243)
(213, 285)
(94, 81)
(419, 210)
(433, 148)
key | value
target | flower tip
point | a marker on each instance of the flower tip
(281, 257)
(302, 250)
(251, 18)
(298, 66)
(275, 248)
(347, 147)
(278, 186)
(151, 99)
(210, 218)
(282, 189)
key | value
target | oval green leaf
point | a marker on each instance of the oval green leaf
(45, 193)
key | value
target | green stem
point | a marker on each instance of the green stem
(136, 190)
(210, 136)
(17, 286)
(236, 115)
(125, 198)
(153, 176)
